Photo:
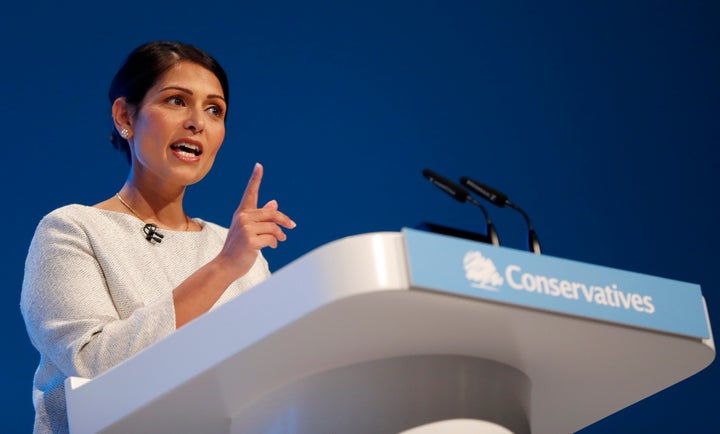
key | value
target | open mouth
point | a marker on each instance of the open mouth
(188, 149)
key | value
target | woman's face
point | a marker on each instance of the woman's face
(179, 127)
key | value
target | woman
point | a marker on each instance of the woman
(104, 282)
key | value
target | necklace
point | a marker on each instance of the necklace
(150, 229)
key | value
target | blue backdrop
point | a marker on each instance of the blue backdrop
(599, 118)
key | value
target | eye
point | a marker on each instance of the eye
(217, 111)
(176, 100)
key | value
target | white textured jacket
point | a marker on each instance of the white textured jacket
(95, 292)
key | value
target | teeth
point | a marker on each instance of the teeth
(187, 148)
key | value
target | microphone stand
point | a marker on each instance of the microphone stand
(533, 241)
(461, 195)
(491, 232)
(500, 199)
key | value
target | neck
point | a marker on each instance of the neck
(151, 206)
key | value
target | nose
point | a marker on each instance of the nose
(195, 122)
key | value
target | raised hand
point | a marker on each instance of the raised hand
(253, 228)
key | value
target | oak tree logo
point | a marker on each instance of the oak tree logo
(481, 271)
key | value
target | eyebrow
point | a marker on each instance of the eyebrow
(188, 91)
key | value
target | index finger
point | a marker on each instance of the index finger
(252, 191)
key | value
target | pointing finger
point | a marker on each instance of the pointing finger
(252, 191)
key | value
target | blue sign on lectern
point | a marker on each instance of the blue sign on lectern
(483, 271)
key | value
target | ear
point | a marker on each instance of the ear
(122, 115)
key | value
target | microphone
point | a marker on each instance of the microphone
(152, 234)
(501, 199)
(462, 195)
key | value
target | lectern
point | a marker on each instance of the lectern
(385, 332)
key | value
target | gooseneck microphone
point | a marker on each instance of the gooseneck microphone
(501, 200)
(462, 195)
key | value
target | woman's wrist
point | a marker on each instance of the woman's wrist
(226, 269)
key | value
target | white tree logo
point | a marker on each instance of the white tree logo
(481, 271)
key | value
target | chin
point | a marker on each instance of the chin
(190, 177)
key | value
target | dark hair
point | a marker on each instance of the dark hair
(145, 65)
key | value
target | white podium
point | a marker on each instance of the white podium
(342, 341)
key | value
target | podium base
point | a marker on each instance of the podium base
(459, 426)
(393, 395)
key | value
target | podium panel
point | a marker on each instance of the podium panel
(345, 340)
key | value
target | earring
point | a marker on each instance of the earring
(124, 133)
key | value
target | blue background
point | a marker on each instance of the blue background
(599, 118)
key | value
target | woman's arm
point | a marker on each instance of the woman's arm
(69, 313)
(252, 229)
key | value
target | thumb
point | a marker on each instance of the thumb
(271, 205)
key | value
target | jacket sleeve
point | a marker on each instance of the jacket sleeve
(68, 311)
